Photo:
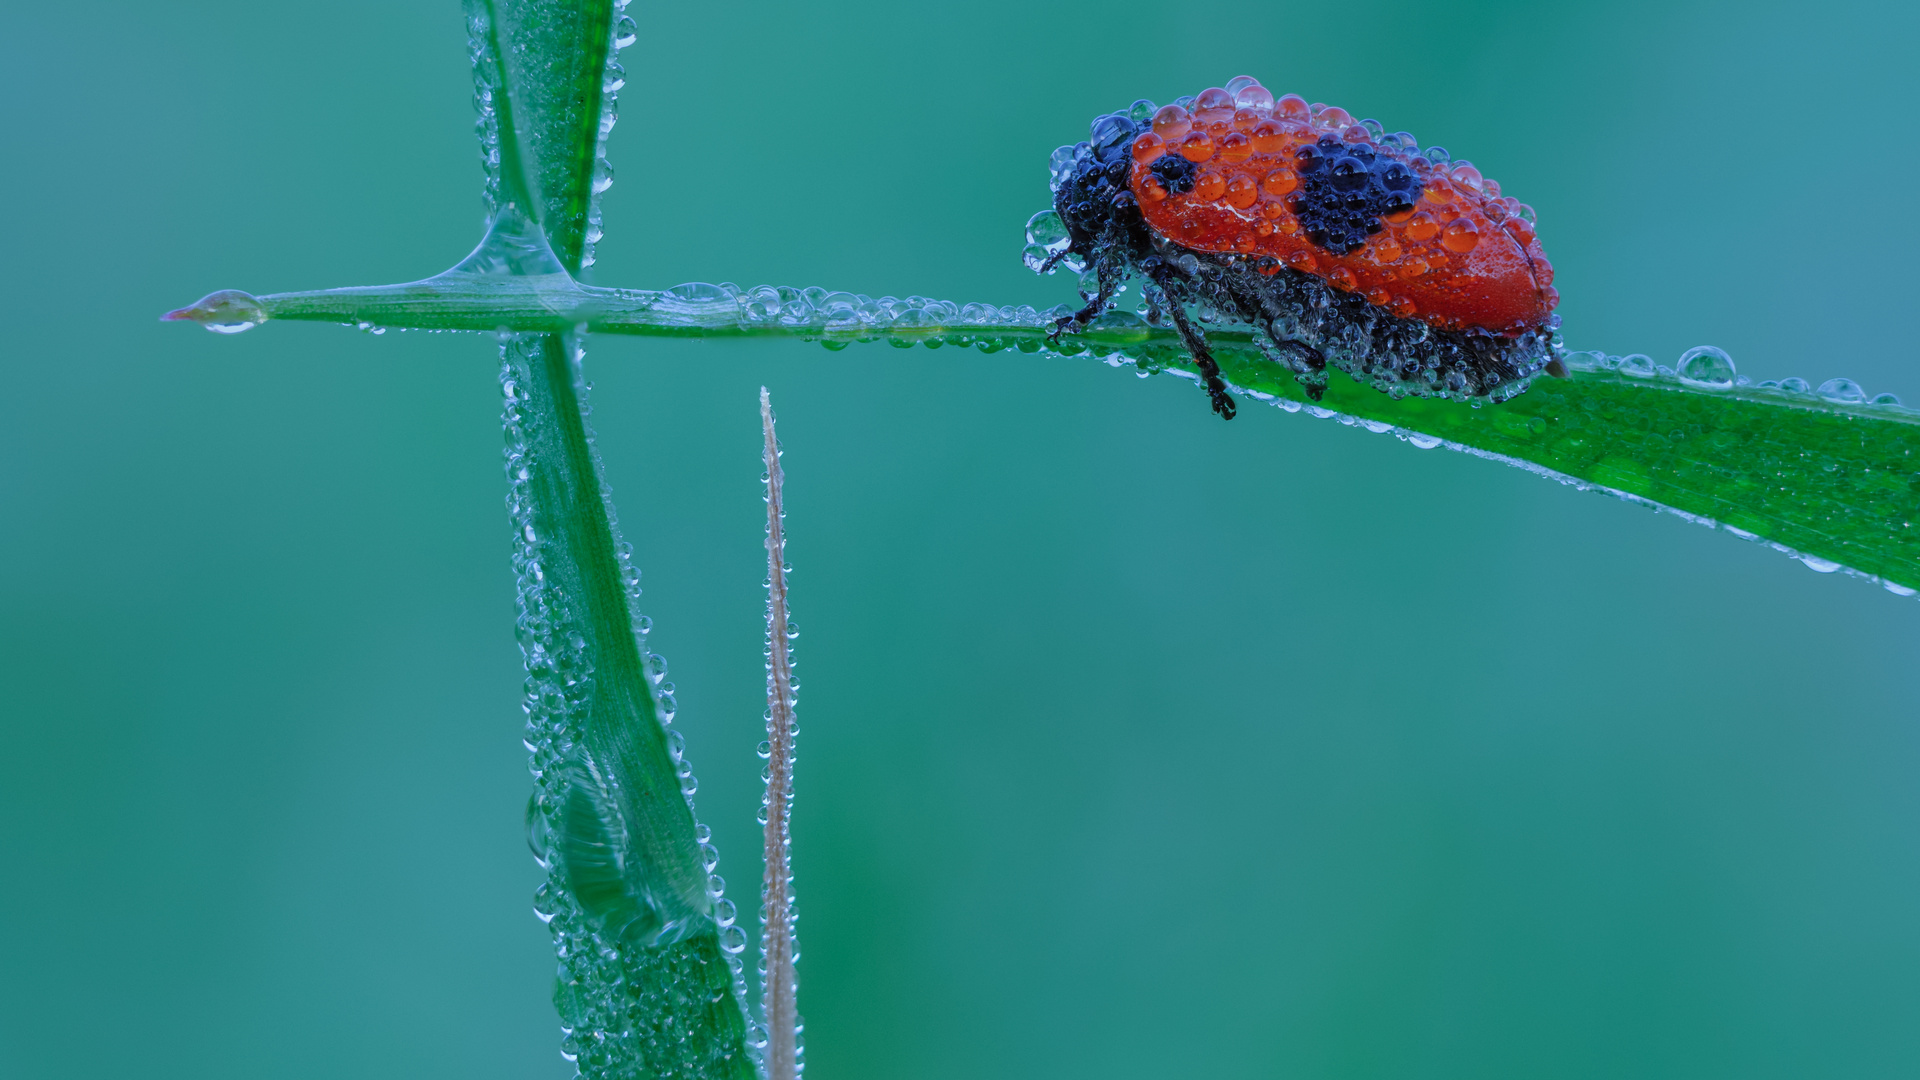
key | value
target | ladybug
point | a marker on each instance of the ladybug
(1334, 241)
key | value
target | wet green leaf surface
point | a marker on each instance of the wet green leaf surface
(1832, 480)
(649, 980)
(1837, 484)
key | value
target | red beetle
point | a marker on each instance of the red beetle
(1334, 241)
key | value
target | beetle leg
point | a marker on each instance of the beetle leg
(1196, 344)
(1110, 277)
(1314, 379)
(1076, 322)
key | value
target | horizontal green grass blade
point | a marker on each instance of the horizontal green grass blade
(1834, 482)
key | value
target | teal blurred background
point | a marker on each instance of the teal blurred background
(1134, 744)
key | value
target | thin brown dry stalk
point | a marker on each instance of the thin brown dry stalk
(776, 912)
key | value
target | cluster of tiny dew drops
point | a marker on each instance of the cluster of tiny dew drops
(1708, 368)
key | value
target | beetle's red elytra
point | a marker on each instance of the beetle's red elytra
(1334, 240)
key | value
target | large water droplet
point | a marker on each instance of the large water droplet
(699, 290)
(539, 835)
(1047, 230)
(1845, 391)
(228, 311)
(1705, 366)
(591, 847)
(514, 245)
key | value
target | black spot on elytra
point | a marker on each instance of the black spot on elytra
(1345, 189)
(1175, 173)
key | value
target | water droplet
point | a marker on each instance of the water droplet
(1252, 96)
(624, 32)
(1214, 99)
(1845, 391)
(1886, 399)
(1197, 146)
(1705, 366)
(1333, 117)
(1047, 230)
(1460, 237)
(1424, 442)
(1171, 123)
(228, 311)
(1795, 386)
(1060, 166)
(1639, 365)
(539, 836)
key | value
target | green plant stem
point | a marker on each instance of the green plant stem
(776, 904)
(644, 978)
(649, 981)
(580, 564)
(458, 301)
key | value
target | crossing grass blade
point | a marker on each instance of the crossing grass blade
(649, 980)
